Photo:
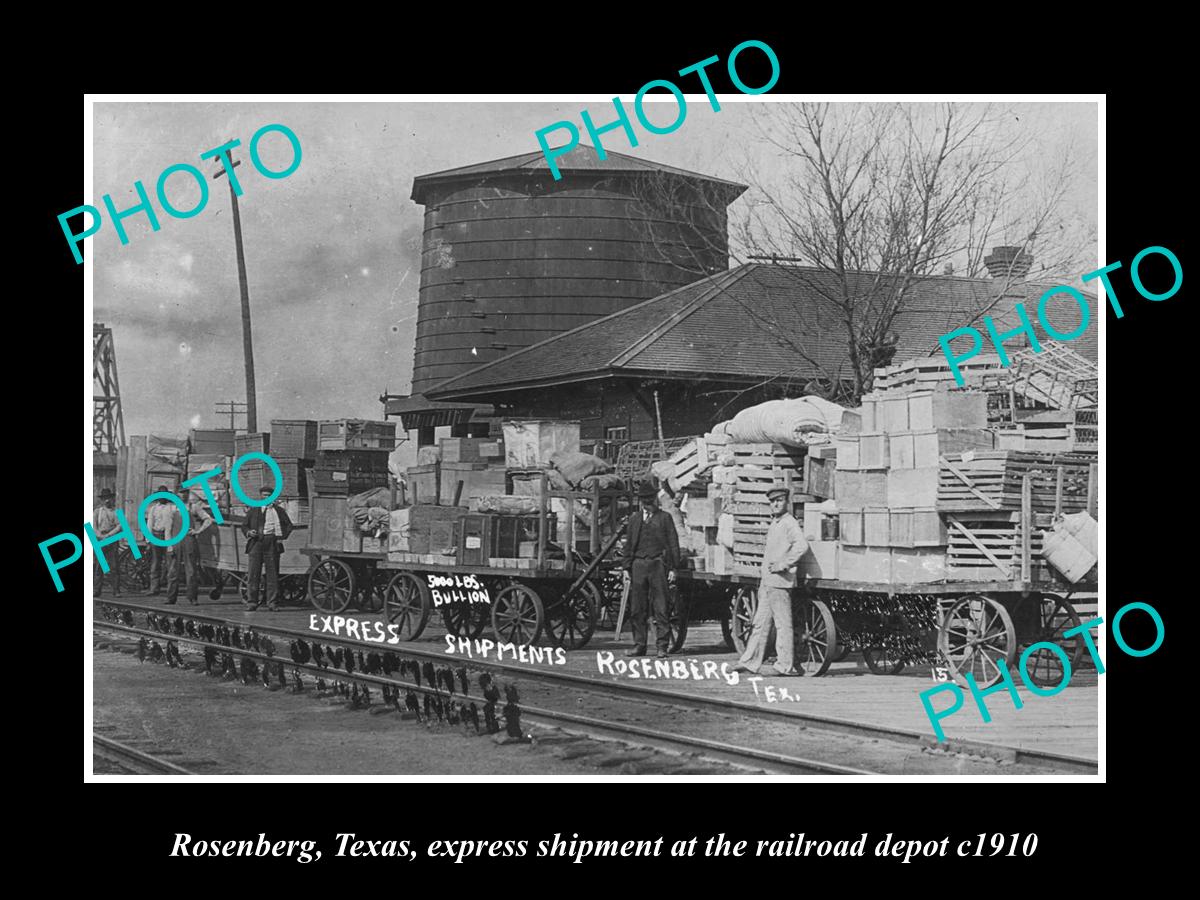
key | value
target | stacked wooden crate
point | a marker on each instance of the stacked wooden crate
(991, 480)
(356, 434)
(757, 469)
(344, 473)
(887, 481)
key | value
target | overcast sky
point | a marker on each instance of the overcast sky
(333, 250)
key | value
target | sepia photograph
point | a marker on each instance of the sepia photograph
(741, 436)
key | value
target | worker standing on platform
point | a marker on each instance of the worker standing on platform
(158, 519)
(651, 558)
(186, 553)
(266, 528)
(785, 545)
(105, 524)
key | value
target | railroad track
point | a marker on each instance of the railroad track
(136, 761)
(544, 684)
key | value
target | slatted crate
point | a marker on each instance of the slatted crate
(690, 462)
(988, 480)
(989, 549)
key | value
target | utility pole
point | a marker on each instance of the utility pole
(231, 410)
(247, 343)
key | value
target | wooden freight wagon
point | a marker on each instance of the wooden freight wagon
(475, 568)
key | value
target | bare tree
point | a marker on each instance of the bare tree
(874, 199)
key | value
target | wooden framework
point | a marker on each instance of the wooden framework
(108, 422)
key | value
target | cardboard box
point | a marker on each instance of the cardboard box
(847, 452)
(821, 560)
(873, 451)
(328, 526)
(858, 490)
(947, 409)
(478, 480)
(719, 560)
(911, 488)
(470, 449)
(529, 443)
(423, 483)
(929, 446)
(703, 512)
(876, 527)
(864, 564)
(918, 566)
(892, 414)
(850, 527)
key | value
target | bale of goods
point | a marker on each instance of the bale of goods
(576, 466)
(294, 438)
(1070, 548)
(784, 421)
(529, 443)
(508, 504)
(607, 482)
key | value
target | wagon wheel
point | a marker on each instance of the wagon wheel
(134, 573)
(465, 619)
(572, 621)
(727, 629)
(1055, 615)
(609, 592)
(408, 604)
(293, 589)
(976, 637)
(741, 614)
(882, 661)
(243, 584)
(371, 596)
(815, 637)
(842, 651)
(331, 586)
(517, 615)
(677, 619)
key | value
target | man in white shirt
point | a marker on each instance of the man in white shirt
(266, 527)
(105, 524)
(158, 520)
(187, 552)
(784, 547)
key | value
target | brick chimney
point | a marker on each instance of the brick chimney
(1008, 262)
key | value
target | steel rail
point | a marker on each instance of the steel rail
(744, 753)
(1040, 758)
(123, 753)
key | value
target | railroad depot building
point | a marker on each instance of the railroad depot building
(606, 297)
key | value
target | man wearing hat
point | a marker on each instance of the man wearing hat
(186, 553)
(266, 528)
(105, 524)
(785, 545)
(651, 558)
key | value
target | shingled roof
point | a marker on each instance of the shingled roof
(582, 159)
(756, 321)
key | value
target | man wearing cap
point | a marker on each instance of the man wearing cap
(266, 528)
(651, 558)
(187, 552)
(785, 545)
(105, 524)
(158, 520)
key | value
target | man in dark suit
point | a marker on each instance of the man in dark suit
(266, 528)
(651, 558)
